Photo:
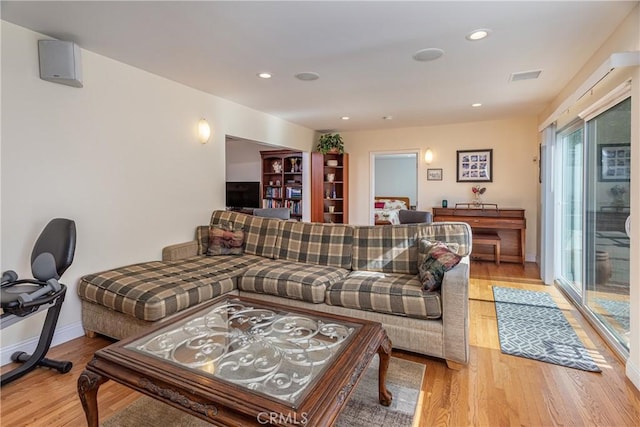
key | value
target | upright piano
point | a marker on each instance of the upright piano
(509, 224)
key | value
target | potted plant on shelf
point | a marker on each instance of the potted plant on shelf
(330, 143)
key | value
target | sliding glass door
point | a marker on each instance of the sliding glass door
(607, 209)
(592, 207)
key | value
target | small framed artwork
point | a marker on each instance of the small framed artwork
(434, 174)
(614, 162)
(475, 166)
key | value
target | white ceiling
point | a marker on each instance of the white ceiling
(362, 51)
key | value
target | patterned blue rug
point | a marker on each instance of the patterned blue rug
(531, 325)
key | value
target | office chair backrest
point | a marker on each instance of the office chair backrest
(58, 239)
(414, 217)
(280, 213)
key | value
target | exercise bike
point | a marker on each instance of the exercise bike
(21, 298)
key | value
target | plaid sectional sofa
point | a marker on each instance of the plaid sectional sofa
(366, 272)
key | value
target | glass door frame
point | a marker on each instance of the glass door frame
(574, 126)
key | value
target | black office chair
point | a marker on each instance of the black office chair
(279, 213)
(51, 256)
(414, 217)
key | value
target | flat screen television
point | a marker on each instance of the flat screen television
(244, 194)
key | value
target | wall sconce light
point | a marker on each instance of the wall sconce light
(428, 156)
(204, 131)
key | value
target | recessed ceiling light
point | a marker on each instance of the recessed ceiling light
(264, 75)
(387, 118)
(307, 76)
(477, 104)
(345, 117)
(429, 54)
(479, 34)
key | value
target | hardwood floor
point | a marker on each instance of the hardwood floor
(493, 390)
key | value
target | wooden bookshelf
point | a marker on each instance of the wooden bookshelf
(282, 180)
(330, 188)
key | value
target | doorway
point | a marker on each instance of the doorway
(394, 174)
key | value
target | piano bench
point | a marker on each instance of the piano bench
(491, 239)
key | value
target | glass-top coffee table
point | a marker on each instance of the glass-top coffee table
(238, 361)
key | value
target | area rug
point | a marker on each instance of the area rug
(404, 381)
(531, 325)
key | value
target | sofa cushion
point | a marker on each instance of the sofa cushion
(394, 248)
(290, 279)
(399, 294)
(386, 248)
(320, 244)
(153, 290)
(260, 234)
(225, 240)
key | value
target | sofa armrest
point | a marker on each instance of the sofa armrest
(180, 251)
(455, 312)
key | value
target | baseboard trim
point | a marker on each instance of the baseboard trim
(633, 373)
(60, 336)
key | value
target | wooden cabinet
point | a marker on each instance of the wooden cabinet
(509, 224)
(330, 188)
(282, 180)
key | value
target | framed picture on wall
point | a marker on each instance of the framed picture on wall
(614, 162)
(475, 166)
(434, 174)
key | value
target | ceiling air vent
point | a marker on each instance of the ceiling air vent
(525, 75)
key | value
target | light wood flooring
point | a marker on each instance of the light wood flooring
(493, 390)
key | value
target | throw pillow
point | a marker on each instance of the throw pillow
(395, 204)
(379, 205)
(425, 245)
(224, 240)
(438, 261)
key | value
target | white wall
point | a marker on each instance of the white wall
(396, 176)
(119, 156)
(515, 184)
(243, 162)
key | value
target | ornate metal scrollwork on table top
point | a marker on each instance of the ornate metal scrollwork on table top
(275, 353)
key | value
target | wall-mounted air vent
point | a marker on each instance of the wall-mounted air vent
(525, 75)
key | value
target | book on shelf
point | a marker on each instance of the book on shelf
(273, 192)
(294, 193)
(294, 206)
(270, 204)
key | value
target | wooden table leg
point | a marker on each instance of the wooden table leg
(384, 353)
(88, 384)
